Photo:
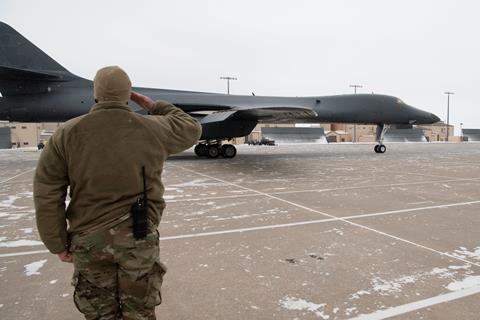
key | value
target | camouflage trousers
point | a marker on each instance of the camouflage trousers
(116, 276)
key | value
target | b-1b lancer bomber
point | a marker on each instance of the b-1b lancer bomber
(35, 88)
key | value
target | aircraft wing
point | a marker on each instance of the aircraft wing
(260, 113)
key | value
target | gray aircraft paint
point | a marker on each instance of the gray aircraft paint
(36, 88)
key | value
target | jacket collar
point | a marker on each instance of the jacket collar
(106, 105)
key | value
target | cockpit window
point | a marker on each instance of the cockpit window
(399, 101)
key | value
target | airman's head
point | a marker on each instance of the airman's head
(112, 84)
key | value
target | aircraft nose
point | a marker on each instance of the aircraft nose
(434, 118)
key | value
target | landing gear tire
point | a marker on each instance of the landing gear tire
(380, 148)
(229, 151)
(201, 150)
(213, 151)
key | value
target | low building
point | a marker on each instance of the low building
(298, 130)
(471, 134)
(399, 134)
(337, 136)
(356, 132)
(5, 138)
(302, 134)
(24, 135)
(437, 131)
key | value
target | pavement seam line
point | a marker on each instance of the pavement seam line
(17, 212)
(18, 175)
(331, 219)
(433, 176)
(325, 190)
(24, 253)
(334, 217)
(417, 305)
(308, 222)
(285, 225)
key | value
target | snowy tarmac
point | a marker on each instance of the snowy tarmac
(285, 232)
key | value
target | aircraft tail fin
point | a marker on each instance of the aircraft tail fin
(22, 63)
(19, 53)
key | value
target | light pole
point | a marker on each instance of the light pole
(461, 131)
(448, 93)
(228, 82)
(355, 86)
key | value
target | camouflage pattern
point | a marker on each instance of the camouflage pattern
(116, 276)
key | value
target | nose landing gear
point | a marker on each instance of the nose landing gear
(380, 148)
(381, 130)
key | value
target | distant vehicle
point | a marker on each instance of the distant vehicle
(35, 88)
(263, 141)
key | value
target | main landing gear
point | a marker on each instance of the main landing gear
(214, 150)
(381, 130)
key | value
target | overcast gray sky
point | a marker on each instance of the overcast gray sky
(415, 50)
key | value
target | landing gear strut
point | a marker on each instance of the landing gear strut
(381, 130)
(215, 149)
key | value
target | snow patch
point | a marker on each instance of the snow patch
(350, 311)
(468, 282)
(12, 216)
(386, 287)
(292, 303)
(465, 267)
(198, 183)
(9, 203)
(27, 194)
(357, 294)
(27, 230)
(32, 268)
(464, 253)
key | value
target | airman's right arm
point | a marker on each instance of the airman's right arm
(181, 130)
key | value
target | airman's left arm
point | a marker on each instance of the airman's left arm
(49, 193)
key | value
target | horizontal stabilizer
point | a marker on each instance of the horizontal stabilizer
(7, 73)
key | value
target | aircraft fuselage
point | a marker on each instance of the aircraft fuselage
(62, 100)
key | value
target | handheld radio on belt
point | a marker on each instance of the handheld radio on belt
(140, 213)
